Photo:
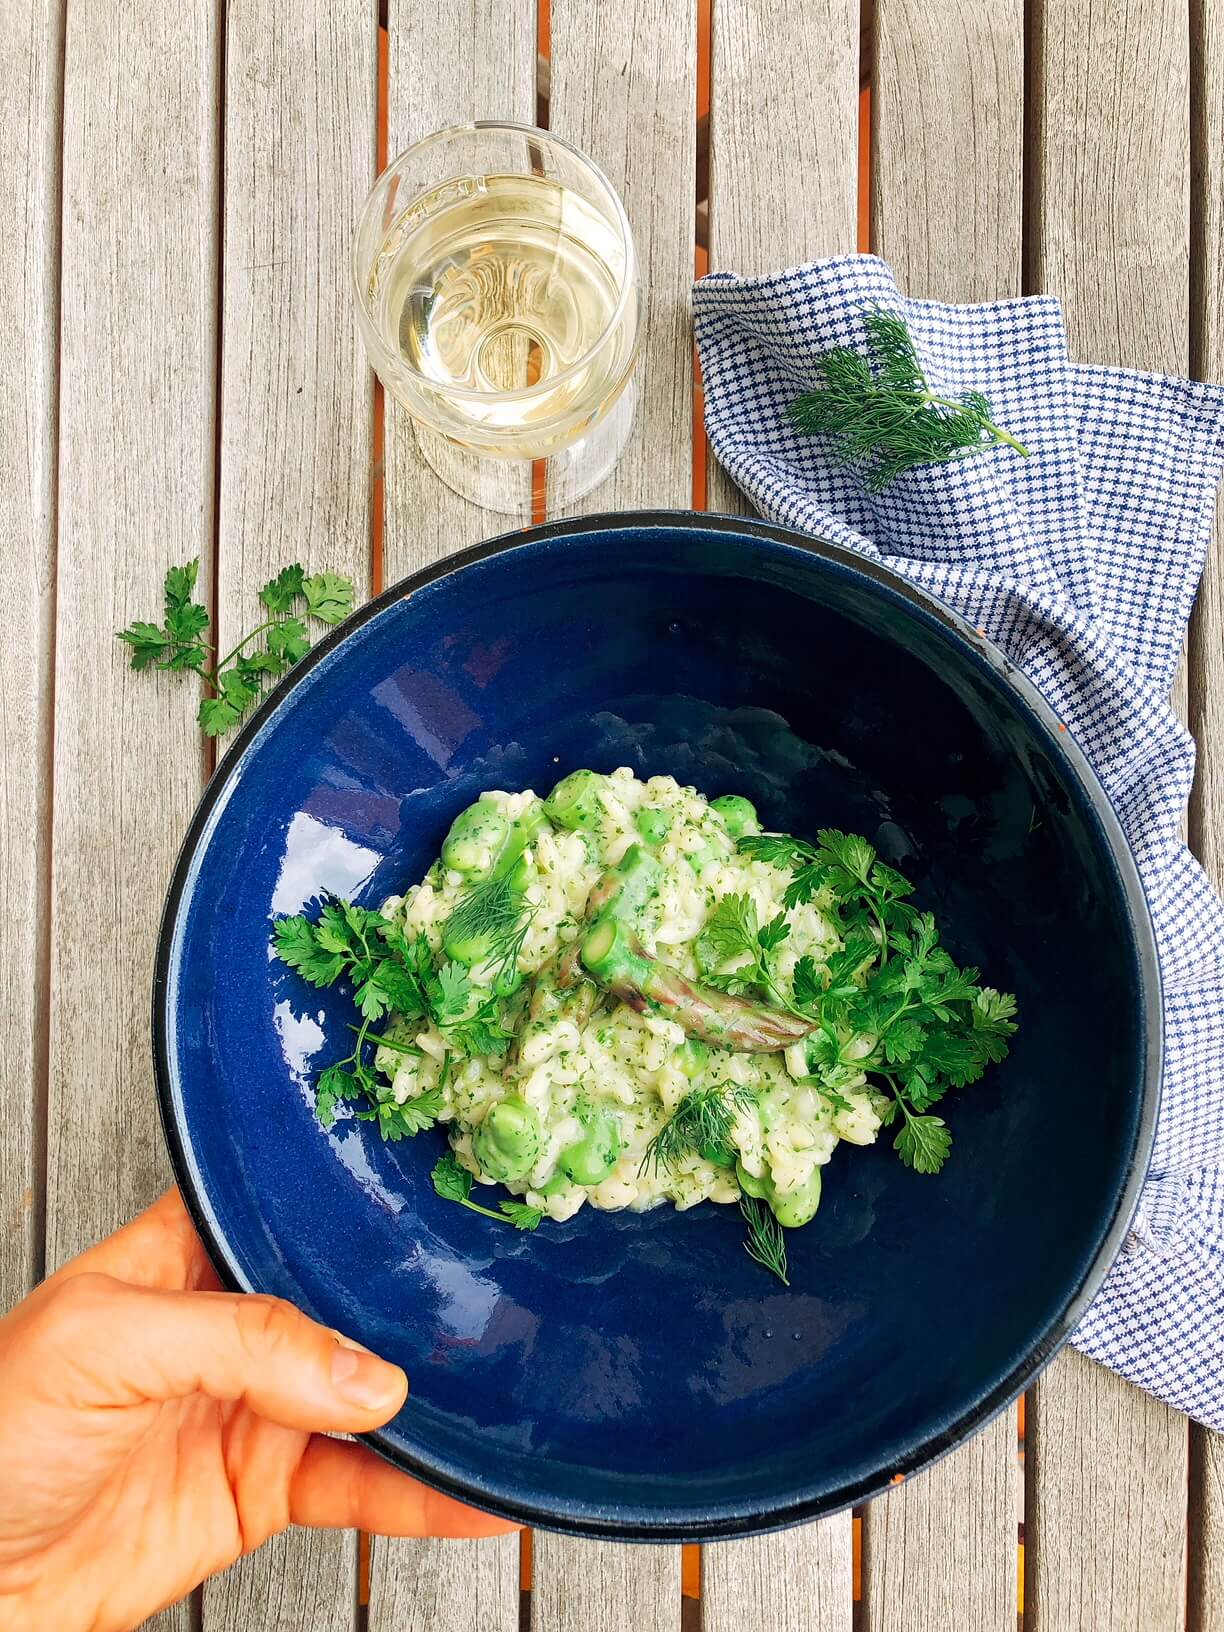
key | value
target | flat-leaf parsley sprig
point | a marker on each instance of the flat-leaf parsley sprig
(390, 975)
(235, 681)
(891, 1002)
(453, 1182)
(882, 413)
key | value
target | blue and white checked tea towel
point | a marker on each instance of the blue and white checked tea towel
(1081, 563)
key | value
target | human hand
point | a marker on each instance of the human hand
(154, 1428)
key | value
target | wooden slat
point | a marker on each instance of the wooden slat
(940, 1551)
(1206, 1562)
(947, 166)
(581, 1586)
(947, 213)
(484, 68)
(30, 35)
(783, 190)
(296, 468)
(138, 359)
(800, 1579)
(1206, 1596)
(1106, 1495)
(766, 214)
(624, 89)
(449, 1584)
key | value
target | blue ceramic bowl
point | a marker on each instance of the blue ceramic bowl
(633, 1375)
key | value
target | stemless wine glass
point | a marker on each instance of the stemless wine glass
(499, 299)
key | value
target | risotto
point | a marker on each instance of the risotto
(625, 994)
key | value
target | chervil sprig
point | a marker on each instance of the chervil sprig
(882, 413)
(235, 681)
(733, 935)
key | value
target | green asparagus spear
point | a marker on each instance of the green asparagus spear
(612, 952)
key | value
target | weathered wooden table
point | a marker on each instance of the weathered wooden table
(181, 376)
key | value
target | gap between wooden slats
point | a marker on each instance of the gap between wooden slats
(295, 469)
(136, 425)
(1206, 1517)
(1107, 203)
(766, 212)
(31, 44)
(482, 66)
(947, 214)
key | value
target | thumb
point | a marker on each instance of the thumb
(127, 1344)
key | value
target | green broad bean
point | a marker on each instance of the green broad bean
(480, 830)
(653, 824)
(556, 1186)
(576, 802)
(507, 1143)
(699, 860)
(798, 1207)
(719, 1155)
(792, 1210)
(508, 980)
(590, 1159)
(692, 1057)
(738, 814)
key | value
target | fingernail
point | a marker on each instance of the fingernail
(363, 1379)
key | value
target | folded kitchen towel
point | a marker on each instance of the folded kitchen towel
(1081, 563)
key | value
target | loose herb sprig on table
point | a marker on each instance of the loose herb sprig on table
(235, 681)
(882, 413)
(930, 1024)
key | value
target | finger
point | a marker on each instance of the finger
(116, 1344)
(346, 1487)
(158, 1248)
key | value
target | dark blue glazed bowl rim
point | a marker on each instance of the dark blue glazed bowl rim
(629, 1524)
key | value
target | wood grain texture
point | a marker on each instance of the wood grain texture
(1105, 1517)
(296, 471)
(783, 145)
(138, 360)
(948, 214)
(437, 1586)
(768, 212)
(1108, 231)
(300, 1581)
(947, 168)
(940, 1551)
(30, 55)
(485, 68)
(1109, 206)
(1206, 1514)
(1205, 1607)
(800, 1579)
(135, 492)
(1207, 628)
(596, 1586)
(624, 90)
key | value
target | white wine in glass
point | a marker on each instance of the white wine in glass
(499, 298)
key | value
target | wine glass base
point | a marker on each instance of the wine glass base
(532, 489)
